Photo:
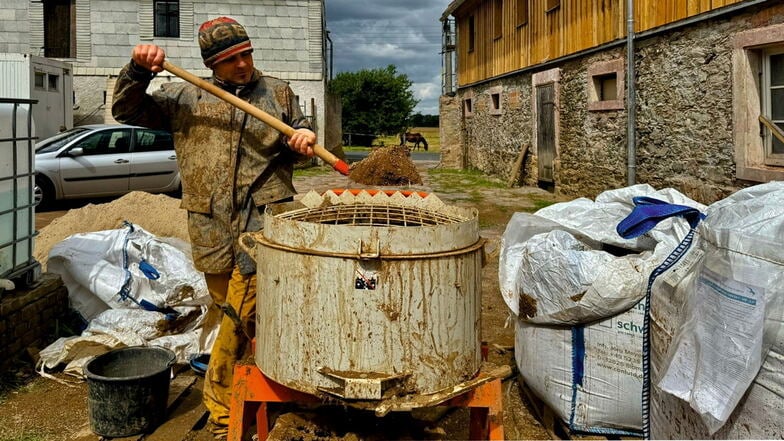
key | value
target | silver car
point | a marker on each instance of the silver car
(105, 160)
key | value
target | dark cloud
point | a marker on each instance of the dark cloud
(404, 33)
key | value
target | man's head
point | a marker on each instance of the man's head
(226, 49)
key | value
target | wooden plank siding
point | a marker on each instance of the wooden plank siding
(573, 26)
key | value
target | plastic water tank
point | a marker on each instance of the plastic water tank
(17, 182)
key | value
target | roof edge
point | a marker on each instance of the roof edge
(451, 8)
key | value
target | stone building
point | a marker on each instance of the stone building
(553, 78)
(96, 37)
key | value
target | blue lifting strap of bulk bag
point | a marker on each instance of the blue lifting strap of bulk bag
(647, 213)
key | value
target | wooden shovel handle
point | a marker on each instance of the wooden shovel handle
(254, 111)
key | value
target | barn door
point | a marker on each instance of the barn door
(545, 134)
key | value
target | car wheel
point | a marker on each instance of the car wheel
(43, 192)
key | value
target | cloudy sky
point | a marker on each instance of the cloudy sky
(376, 33)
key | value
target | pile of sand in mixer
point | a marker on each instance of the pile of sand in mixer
(386, 166)
(159, 214)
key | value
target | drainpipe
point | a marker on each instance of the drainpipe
(331, 52)
(631, 103)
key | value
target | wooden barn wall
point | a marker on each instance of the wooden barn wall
(574, 26)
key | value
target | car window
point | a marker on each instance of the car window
(106, 142)
(55, 142)
(152, 141)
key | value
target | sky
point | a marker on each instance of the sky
(373, 34)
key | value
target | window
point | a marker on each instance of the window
(40, 80)
(468, 107)
(471, 36)
(757, 83)
(552, 5)
(606, 85)
(498, 19)
(153, 141)
(106, 142)
(54, 81)
(167, 18)
(773, 103)
(495, 100)
(59, 34)
(522, 13)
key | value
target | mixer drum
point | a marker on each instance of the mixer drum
(367, 295)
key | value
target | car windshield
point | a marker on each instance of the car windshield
(55, 142)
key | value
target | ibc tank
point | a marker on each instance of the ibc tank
(17, 215)
(368, 294)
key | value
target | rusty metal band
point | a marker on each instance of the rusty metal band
(466, 250)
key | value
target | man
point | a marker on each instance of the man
(231, 165)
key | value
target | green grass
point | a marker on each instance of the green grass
(540, 203)
(317, 170)
(462, 180)
(431, 134)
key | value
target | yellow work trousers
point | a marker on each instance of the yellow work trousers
(232, 343)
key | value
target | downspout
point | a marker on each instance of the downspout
(331, 51)
(631, 103)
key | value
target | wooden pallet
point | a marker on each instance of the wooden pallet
(552, 423)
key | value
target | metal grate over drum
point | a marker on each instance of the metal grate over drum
(372, 215)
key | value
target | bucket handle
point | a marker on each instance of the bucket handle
(173, 360)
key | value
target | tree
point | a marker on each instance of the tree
(375, 101)
(419, 120)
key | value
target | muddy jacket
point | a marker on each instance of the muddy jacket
(231, 164)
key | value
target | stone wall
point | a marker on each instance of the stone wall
(28, 317)
(450, 131)
(592, 148)
(684, 111)
(684, 121)
(494, 140)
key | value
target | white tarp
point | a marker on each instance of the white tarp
(133, 289)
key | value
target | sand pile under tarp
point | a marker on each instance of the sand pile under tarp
(386, 166)
(159, 214)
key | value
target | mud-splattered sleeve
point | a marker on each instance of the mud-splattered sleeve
(295, 117)
(132, 105)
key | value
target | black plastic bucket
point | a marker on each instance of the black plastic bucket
(128, 390)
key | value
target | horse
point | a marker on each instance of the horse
(416, 138)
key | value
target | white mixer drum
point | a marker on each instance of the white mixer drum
(369, 294)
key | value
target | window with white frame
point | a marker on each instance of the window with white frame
(773, 103)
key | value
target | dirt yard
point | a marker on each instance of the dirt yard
(43, 409)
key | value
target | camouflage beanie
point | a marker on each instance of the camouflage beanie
(220, 39)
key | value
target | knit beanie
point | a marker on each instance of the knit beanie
(221, 38)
